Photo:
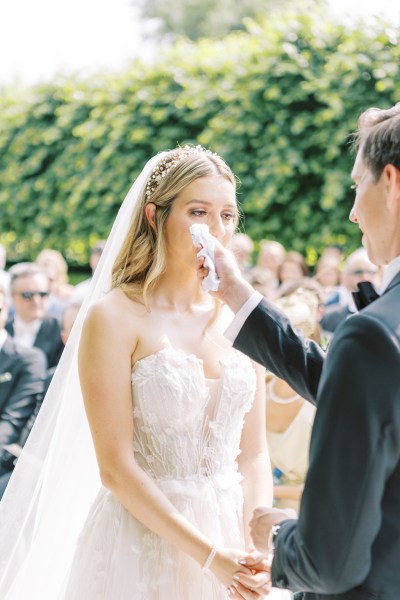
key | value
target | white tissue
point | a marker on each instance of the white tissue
(201, 236)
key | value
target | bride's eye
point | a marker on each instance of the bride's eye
(198, 213)
(228, 216)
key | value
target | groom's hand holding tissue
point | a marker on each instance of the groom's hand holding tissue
(233, 289)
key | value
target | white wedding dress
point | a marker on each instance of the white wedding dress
(187, 439)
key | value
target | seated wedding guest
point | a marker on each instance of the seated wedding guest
(55, 265)
(10, 454)
(242, 247)
(22, 373)
(82, 288)
(270, 257)
(30, 326)
(357, 268)
(289, 417)
(327, 273)
(293, 267)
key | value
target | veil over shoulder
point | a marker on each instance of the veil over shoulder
(56, 477)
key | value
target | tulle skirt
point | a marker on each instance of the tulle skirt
(117, 558)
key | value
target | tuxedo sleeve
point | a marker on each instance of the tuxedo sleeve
(28, 386)
(269, 339)
(355, 449)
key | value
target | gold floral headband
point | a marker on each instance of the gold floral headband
(170, 162)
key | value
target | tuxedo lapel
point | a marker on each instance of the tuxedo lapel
(6, 366)
(6, 355)
(41, 340)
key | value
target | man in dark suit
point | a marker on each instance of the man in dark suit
(345, 544)
(22, 374)
(31, 326)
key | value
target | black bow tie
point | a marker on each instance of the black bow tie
(366, 294)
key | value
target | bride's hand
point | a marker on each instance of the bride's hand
(259, 584)
(244, 593)
(235, 576)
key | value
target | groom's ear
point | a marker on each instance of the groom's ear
(150, 211)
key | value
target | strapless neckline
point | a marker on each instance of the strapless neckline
(184, 356)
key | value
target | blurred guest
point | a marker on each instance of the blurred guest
(56, 268)
(82, 288)
(22, 373)
(11, 452)
(270, 257)
(289, 418)
(309, 285)
(242, 247)
(263, 281)
(31, 326)
(292, 268)
(333, 252)
(327, 273)
(68, 319)
(357, 268)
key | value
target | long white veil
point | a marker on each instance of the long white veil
(56, 477)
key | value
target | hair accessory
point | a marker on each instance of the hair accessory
(170, 162)
(210, 558)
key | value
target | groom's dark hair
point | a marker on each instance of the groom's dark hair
(378, 138)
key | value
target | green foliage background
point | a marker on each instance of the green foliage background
(277, 102)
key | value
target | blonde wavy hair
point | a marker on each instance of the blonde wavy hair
(142, 258)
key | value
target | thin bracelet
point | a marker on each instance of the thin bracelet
(210, 558)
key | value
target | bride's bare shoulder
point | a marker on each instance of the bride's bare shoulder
(116, 308)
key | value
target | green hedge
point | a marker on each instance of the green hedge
(277, 102)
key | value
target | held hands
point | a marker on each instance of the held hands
(253, 580)
(243, 582)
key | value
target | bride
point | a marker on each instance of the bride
(176, 419)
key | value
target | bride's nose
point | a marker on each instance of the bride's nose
(216, 226)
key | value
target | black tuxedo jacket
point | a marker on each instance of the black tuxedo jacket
(22, 374)
(345, 544)
(48, 339)
(333, 317)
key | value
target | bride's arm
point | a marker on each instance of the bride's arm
(254, 462)
(105, 373)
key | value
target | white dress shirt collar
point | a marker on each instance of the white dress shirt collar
(25, 333)
(390, 273)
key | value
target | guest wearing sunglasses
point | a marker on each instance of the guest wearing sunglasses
(31, 326)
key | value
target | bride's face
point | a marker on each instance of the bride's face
(209, 200)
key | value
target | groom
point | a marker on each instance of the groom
(345, 545)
